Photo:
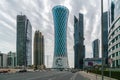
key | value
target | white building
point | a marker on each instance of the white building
(91, 62)
(3, 60)
(114, 33)
(11, 60)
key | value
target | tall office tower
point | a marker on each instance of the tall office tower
(112, 11)
(96, 46)
(3, 60)
(105, 37)
(11, 59)
(24, 41)
(79, 48)
(114, 35)
(60, 16)
(38, 49)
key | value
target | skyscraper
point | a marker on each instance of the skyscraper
(38, 49)
(112, 11)
(3, 60)
(60, 16)
(114, 34)
(105, 37)
(79, 48)
(24, 41)
(96, 46)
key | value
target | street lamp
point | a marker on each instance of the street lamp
(102, 47)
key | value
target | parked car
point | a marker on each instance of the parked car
(74, 70)
(22, 70)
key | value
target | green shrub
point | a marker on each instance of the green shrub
(114, 74)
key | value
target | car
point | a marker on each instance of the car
(22, 70)
(74, 70)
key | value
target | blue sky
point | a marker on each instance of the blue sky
(39, 12)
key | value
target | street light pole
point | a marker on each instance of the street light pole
(47, 60)
(102, 47)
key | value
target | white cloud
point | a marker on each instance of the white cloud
(4, 24)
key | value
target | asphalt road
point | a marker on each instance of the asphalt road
(43, 75)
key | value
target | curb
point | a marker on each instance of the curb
(93, 76)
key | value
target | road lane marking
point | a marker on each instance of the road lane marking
(74, 76)
(52, 78)
(43, 76)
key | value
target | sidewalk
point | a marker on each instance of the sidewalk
(93, 76)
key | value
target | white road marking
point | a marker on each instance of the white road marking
(74, 76)
(52, 78)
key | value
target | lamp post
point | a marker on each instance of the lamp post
(47, 60)
(102, 47)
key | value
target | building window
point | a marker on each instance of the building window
(113, 40)
(116, 38)
(116, 53)
(116, 45)
(113, 47)
(119, 44)
(116, 63)
(119, 36)
(113, 55)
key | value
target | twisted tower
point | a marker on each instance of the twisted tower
(60, 16)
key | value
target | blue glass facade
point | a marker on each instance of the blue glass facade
(24, 41)
(79, 48)
(117, 8)
(112, 11)
(60, 16)
(95, 46)
(105, 37)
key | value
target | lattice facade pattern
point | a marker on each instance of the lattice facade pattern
(60, 16)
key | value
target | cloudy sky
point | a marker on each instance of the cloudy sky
(40, 15)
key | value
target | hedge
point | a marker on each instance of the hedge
(114, 74)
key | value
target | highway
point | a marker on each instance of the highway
(43, 75)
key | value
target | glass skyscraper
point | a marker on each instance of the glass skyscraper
(79, 48)
(96, 46)
(60, 16)
(38, 49)
(24, 41)
(105, 37)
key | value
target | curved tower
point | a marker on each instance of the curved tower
(60, 16)
(114, 36)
